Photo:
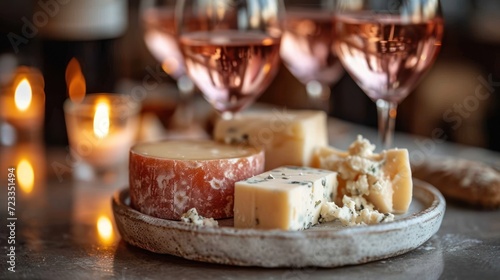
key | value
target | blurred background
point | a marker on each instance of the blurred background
(460, 95)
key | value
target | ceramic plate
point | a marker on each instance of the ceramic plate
(326, 245)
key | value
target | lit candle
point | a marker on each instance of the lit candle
(75, 81)
(102, 128)
(22, 104)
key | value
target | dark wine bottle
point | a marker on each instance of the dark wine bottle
(87, 30)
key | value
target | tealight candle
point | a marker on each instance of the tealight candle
(22, 103)
(101, 129)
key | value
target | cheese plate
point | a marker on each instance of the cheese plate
(324, 245)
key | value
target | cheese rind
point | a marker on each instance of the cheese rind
(384, 179)
(288, 137)
(170, 177)
(288, 198)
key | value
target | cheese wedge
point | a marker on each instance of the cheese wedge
(288, 198)
(170, 177)
(383, 179)
(287, 136)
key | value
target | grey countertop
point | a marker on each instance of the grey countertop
(57, 235)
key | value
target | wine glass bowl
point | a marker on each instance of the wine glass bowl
(230, 49)
(307, 47)
(387, 47)
(158, 22)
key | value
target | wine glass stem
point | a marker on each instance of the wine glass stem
(387, 112)
(319, 95)
(184, 114)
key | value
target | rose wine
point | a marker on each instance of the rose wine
(307, 47)
(231, 68)
(159, 35)
(386, 56)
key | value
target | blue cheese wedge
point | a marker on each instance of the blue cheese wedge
(384, 179)
(287, 198)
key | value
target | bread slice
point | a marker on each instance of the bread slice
(470, 182)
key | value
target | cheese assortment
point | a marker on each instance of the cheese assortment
(288, 137)
(287, 198)
(306, 182)
(168, 178)
(383, 179)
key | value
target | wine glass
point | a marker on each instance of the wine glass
(307, 47)
(230, 48)
(386, 47)
(158, 23)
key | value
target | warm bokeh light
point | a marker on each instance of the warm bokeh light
(170, 65)
(75, 81)
(267, 42)
(23, 95)
(105, 229)
(101, 118)
(25, 175)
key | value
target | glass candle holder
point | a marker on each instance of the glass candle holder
(101, 129)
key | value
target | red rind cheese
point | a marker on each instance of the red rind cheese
(168, 178)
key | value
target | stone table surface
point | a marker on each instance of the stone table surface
(57, 237)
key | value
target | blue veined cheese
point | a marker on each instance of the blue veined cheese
(356, 210)
(383, 179)
(288, 198)
(288, 137)
(192, 217)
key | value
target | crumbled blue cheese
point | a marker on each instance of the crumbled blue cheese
(355, 211)
(192, 217)
(384, 179)
(362, 172)
(360, 168)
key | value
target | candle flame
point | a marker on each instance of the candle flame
(75, 81)
(105, 229)
(25, 175)
(101, 118)
(23, 95)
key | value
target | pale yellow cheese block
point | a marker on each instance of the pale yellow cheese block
(397, 167)
(389, 175)
(287, 136)
(287, 198)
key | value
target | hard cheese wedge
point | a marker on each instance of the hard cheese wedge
(288, 137)
(288, 198)
(383, 179)
(170, 177)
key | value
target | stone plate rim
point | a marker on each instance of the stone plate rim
(326, 246)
